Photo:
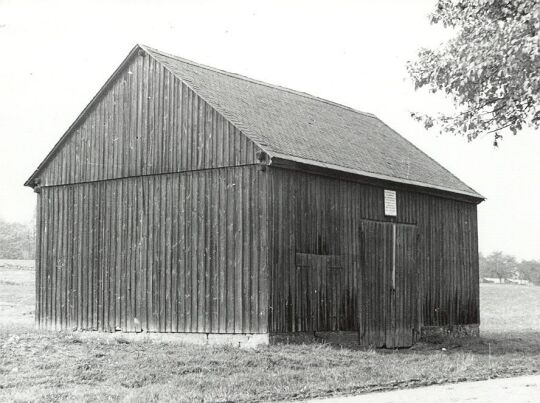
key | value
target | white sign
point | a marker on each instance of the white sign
(390, 203)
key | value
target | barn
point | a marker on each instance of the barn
(189, 200)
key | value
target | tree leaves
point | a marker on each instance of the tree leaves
(490, 69)
(498, 265)
(501, 265)
(530, 270)
(17, 241)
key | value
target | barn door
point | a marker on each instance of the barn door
(388, 284)
(406, 286)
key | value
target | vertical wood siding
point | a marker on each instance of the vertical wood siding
(166, 253)
(376, 242)
(312, 214)
(317, 294)
(147, 122)
(388, 299)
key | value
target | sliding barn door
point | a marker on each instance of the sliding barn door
(375, 275)
(406, 287)
(388, 284)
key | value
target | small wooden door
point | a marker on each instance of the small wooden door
(334, 298)
(317, 302)
(388, 302)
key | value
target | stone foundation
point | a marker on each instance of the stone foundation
(340, 338)
(431, 333)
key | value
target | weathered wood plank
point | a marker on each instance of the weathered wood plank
(147, 122)
(328, 213)
(234, 235)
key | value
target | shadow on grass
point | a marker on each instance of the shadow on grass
(490, 343)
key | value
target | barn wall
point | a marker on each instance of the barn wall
(147, 122)
(181, 252)
(318, 216)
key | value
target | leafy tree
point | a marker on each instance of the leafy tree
(483, 265)
(500, 265)
(530, 270)
(17, 241)
(490, 68)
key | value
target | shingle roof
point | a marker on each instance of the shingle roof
(300, 127)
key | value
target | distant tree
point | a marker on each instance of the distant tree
(500, 265)
(17, 241)
(482, 265)
(490, 68)
(530, 270)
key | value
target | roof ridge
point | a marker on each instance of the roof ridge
(258, 82)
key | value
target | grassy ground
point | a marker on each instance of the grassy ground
(63, 367)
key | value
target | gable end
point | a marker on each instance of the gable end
(143, 121)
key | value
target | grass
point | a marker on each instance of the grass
(509, 308)
(16, 297)
(38, 365)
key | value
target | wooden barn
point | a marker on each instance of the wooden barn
(186, 199)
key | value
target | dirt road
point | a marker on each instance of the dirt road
(519, 389)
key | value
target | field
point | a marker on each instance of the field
(37, 365)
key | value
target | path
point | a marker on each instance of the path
(518, 389)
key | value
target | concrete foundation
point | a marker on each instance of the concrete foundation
(249, 340)
(253, 340)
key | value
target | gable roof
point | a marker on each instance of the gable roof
(299, 127)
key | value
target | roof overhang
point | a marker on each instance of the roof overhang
(289, 161)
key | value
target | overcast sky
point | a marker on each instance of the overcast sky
(56, 55)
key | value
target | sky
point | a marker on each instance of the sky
(55, 56)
